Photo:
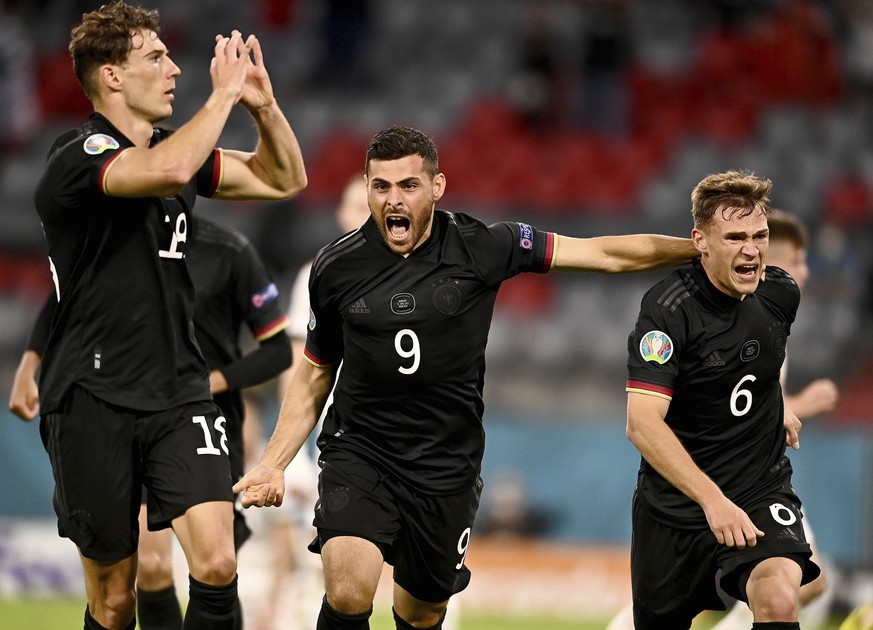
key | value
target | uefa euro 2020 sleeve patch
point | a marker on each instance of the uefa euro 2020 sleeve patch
(311, 320)
(656, 346)
(97, 143)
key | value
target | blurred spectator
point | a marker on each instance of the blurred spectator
(604, 67)
(507, 511)
(19, 112)
(535, 89)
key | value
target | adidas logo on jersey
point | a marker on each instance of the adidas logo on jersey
(786, 533)
(359, 306)
(713, 360)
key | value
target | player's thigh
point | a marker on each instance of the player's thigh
(781, 520)
(430, 559)
(673, 573)
(205, 532)
(91, 446)
(185, 461)
(354, 500)
(352, 567)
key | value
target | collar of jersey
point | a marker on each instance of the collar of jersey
(719, 299)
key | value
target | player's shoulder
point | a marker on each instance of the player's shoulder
(339, 250)
(673, 291)
(779, 277)
(92, 138)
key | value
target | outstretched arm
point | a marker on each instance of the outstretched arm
(275, 169)
(269, 359)
(622, 254)
(307, 393)
(818, 397)
(660, 447)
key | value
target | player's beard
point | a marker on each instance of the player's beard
(419, 224)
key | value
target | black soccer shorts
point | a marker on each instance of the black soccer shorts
(102, 455)
(424, 537)
(676, 573)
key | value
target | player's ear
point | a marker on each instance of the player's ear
(699, 240)
(439, 186)
(109, 76)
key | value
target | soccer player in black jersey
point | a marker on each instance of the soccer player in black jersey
(405, 303)
(124, 389)
(714, 501)
(232, 288)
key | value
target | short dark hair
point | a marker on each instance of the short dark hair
(785, 226)
(740, 192)
(398, 142)
(106, 36)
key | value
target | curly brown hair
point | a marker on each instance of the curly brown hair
(731, 193)
(106, 36)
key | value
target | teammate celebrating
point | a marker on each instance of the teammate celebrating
(405, 302)
(125, 398)
(706, 412)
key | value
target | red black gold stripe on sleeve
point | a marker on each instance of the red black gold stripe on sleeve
(549, 255)
(217, 172)
(314, 359)
(276, 326)
(104, 172)
(650, 389)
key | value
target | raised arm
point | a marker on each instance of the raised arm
(622, 254)
(165, 169)
(275, 169)
(660, 447)
(304, 400)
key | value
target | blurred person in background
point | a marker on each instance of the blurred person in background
(405, 303)
(232, 288)
(124, 389)
(714, 508)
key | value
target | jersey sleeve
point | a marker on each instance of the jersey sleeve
(77, 169)
(255, 288)
(508, 248)
(208, 178)
(653, 349)
(324, 338)
(781, 292)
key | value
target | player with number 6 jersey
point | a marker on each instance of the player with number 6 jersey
(706, 412)
(405, 303)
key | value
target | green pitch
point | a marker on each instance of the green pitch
(63, 614)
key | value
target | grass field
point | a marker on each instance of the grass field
(63, 614)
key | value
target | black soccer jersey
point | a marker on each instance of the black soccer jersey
(411, 333)
(717, 359)
(123, 324)
(232, 288)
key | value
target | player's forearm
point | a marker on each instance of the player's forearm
(165, 169)
(278, 159)
(660, 447)
(299, 413)
(622, 254)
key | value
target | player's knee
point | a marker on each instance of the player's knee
(348, 600)
(774, 602)
(154, 572)
(219, 568)
(117, 609)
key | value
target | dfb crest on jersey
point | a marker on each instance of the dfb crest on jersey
(447, 296)
(656, 346)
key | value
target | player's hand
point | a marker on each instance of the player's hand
(731, 525)
(24, 397)
(819, 397)
(262, 486)
(793, 425)
(258, 89)
(230, 65)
